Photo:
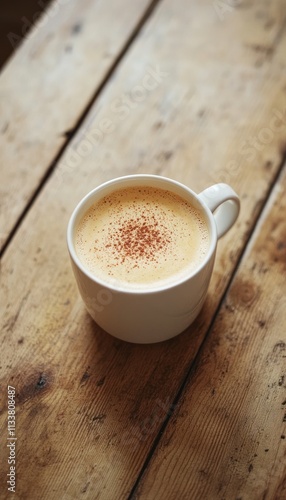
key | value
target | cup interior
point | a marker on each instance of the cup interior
(143, 180)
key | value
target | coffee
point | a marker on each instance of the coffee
(142, 237)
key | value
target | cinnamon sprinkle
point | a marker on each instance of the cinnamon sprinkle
(138, 239)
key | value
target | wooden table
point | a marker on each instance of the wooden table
(196, 91)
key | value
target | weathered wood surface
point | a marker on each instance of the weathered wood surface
(90, 407)
(47, 85)
(227, 435)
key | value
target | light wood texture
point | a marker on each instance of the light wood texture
(90, 407)
(47, 85)
(227, 436)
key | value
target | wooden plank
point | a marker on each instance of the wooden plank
(226, 438)
(48, 83)
(89, 406)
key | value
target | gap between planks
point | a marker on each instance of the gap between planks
(136, 31)
(192, 368)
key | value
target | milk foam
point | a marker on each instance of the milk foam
(142, 237)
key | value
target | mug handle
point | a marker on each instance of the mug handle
(222, 196)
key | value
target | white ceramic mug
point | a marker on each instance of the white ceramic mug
(144, 316)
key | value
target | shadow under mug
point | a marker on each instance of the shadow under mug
(148, 316)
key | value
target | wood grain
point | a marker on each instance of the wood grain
(90, 407)
(48, 83)
(226, 438)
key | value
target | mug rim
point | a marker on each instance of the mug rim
(155, 289)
